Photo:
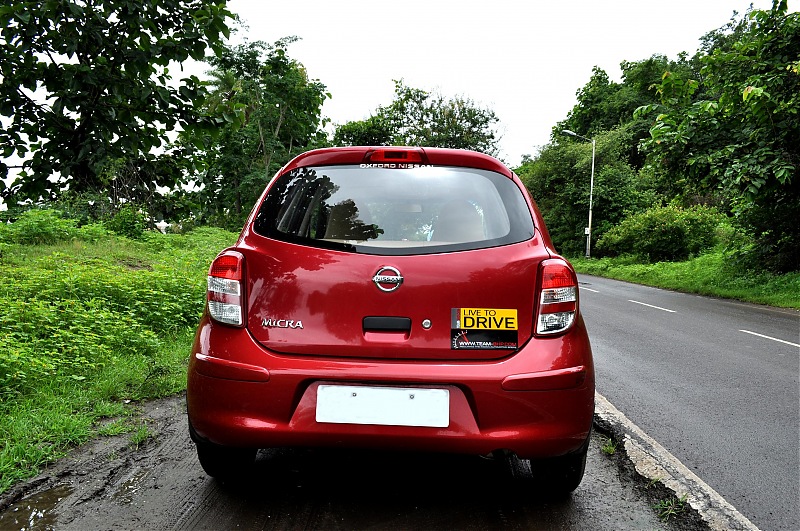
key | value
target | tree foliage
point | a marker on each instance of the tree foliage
(559, 179)
(374, 131)
(604, 104)
(87, 83)
(717, 129)
(420, 118)
(735, 129)
(267, 110)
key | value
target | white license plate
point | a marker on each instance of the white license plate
(384, 406)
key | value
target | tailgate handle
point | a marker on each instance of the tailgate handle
(387, 324)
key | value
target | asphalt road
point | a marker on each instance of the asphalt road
(714, 381)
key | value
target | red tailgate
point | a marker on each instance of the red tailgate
(475, 304)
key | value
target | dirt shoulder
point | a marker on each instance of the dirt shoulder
(107, 484)
(80, 490)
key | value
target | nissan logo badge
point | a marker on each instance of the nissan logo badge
(388, 279)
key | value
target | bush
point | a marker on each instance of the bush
(68, 312)
(663, 233)
(85, 207)
(39, 227)
(64, 338)
(129, 221)
(47, 227)
(161, 300)
(92, 232)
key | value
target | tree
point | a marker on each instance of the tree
(736, 130)
(603, 104)
(558, 179)
(592, 112)
(86, 84)
(420, 118)
(267, 109)
(374, 131)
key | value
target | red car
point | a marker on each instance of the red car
(395, 298)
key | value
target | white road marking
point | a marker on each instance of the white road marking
(651, 306)
(767, 337)
(589, 289)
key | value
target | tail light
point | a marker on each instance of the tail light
(225, 290)
(558, 297)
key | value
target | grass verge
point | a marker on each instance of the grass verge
(90, 328)
(708, 274)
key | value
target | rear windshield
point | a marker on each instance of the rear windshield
(395, 211)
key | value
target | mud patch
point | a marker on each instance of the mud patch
(134, 264)
(128, 490)
(36, 512)
(106, 472)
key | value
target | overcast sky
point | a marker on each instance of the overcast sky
(523, 59)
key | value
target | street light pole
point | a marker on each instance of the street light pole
(591, 190)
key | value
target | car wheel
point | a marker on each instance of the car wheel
(561, 475)
(222, 462)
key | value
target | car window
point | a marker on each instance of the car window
(395, 211)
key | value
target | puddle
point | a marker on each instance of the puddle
(36, 512)
(130, 487)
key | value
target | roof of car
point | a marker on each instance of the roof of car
(362, 154)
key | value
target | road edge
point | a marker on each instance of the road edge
(655, 463)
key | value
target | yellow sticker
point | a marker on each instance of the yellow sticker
(484, 319)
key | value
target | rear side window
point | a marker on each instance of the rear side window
(395, 211)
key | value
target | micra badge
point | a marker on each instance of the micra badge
(281, 323)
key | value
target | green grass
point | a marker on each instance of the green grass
(90, 328)
(609, 446)
(708, 274)
(670, 507)
(141, 433)
(117, 426)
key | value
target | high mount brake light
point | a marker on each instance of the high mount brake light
(400, 156)
(225, 294)
(558, 297)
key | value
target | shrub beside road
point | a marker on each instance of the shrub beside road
(713, 274)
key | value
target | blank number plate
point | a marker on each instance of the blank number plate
(384, 406)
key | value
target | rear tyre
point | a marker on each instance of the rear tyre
(222, 462)
(561, 475)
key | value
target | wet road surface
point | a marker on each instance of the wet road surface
(716, 382)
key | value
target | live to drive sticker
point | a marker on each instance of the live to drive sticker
(483, 319)
(483, 329)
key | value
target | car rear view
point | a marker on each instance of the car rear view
(393, 298)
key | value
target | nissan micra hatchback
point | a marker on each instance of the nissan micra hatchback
(393, 298)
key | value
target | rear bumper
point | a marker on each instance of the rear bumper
(536, 403)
